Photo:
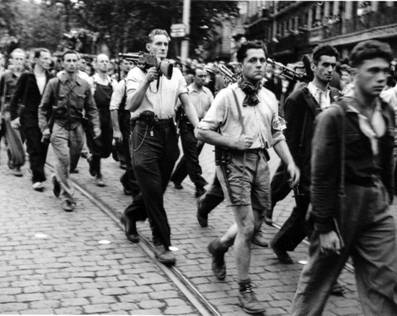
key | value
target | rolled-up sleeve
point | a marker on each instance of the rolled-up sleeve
(278, 126)
(216, 115)
(117, 95)
(182, 85)
(133, 81)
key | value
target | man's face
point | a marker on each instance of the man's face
(102, 63)
(325, 68)
(125, 66)
(200, 77)
(371, 76)
(18, 60)
(159, 46)
(44, 60)
(82, 64)
(254, 64)
(345, 77)
(70, 62)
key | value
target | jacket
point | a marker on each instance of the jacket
(362, 167)
(26, 100)
(65, 100)
(301, 110)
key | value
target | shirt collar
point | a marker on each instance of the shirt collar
(97, 78)
(192, 87)
(312, 87)
(63, 77)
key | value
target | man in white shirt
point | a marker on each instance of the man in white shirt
(151, 98)
(201, 98)
(243, 123)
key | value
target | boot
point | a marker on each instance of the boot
(247, 298)
(218, 250)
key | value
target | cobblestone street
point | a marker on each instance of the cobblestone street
(54, 262)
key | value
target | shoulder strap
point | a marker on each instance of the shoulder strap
(342, 108)
(239, 110)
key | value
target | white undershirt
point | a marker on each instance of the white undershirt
(40, 79)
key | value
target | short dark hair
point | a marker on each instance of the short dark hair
(70, 52)
(38, 51)
(369, 50)
(345, 67)
(242, 51)
(198, 68)
(155, 32)
(324, 50)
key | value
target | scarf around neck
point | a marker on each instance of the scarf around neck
(250, 90)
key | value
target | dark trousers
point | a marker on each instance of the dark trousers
(212, 198)
(100, 147)
(128, 179)
(37, 151)
(368, 231)
(189, 163)
(296, 228)
(280, 186)
(154, 151)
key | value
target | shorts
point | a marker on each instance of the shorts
(245, 180)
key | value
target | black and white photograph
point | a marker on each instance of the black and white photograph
(198, 157)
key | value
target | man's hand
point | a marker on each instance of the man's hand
(45, 138)
(199, 143)
(117, 136)
(97, 132)
(16, 123)
(244, 142)
(330, 243)
(152, 74)
(294, 174)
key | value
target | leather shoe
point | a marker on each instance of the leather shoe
(178, 186)
(199, 192)
(164, 256)
(338, 289)
(130, 229)
(91, 168)
(260, 239)
(201, 218)
(218, 265)
(56, 186)
(282, 255)
(68, 206)
(99, 181)
(249, 303)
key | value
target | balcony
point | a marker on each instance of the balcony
(363, 23)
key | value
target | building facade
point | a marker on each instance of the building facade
(292, 28)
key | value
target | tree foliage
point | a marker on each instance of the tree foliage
(124, 24)
(120, 24)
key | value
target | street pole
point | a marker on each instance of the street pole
(186, 22)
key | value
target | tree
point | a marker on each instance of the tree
(124, 24)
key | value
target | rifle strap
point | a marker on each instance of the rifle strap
(239, 111)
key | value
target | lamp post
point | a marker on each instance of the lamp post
(186, 22)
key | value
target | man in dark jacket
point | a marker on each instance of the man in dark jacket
(352, 188)
(301, 108)
(24, 113)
